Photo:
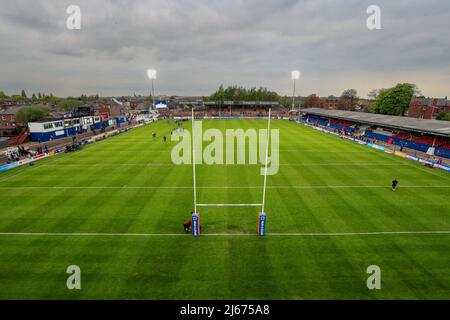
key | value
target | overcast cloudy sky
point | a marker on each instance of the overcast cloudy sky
(198, 44)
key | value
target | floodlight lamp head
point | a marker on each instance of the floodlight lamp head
(151, 73)
(295, 75)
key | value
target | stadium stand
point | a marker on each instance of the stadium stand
(415, 134)
(225, 111)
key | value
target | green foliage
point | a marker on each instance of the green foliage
(16, 97)
(3, 95)
(70, 104)
(50, 99)
(236, 93)
(286, 101)
(17, 130)
(23, 94)
(32, 113)
(394, 101)
(444, 115)
(85, 98)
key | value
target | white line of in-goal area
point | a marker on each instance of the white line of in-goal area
(285, 234)
(220, 187)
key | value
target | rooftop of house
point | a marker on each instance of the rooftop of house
(439, 102)
(9, 111)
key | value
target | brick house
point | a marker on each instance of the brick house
(427, 108)
(331, 103)
(8, 123)
(334, 103)
(111, 110)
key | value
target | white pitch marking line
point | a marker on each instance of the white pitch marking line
(219, 187)
(287, 234)
(342, 164)
(171, 164)
(229, 204)
(320, 151)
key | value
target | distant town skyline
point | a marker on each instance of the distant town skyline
(197, 45)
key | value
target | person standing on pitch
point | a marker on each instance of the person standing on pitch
(394, 184)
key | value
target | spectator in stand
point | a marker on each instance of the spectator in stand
(46, 149)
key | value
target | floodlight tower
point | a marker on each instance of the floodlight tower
(295, 75)
(151, 74)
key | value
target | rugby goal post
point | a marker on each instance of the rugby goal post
(262, 214)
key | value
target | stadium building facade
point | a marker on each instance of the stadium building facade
(61, 128)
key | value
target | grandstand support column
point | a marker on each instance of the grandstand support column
(266, 163)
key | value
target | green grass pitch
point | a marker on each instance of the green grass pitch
(128, 185)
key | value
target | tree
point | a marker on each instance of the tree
(28, 114)
(285, 101)
(373, 94)
(16, 97)
(313, 101)
(39, 95)
(443, 115)
(349, 94)
(417, 91)
(23, 94)
(394, 101)
(70, 104)
(236, 93)
(3, 95)
(345, 104)
(33, 96)
(347, 101)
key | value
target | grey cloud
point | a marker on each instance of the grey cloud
(198, 44)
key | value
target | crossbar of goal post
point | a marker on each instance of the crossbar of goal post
(262, 214)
